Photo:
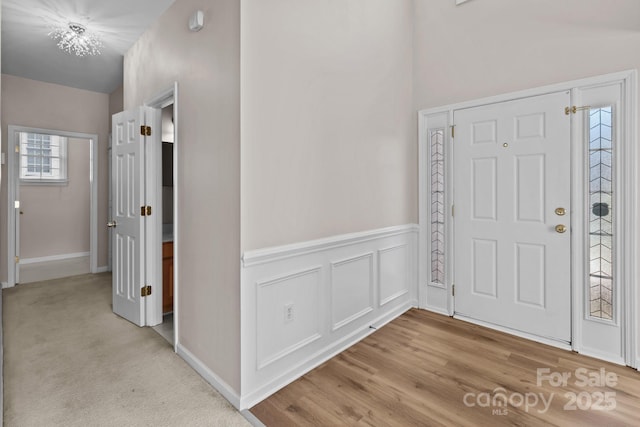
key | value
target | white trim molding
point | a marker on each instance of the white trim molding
(304, 303)
(268, 255)
(162, 99)
(13, 197)
(218, 383)
(61, 257)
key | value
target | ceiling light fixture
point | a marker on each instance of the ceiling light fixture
(76, 39)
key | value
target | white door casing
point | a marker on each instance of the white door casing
(513, 268)
(13, 197)
(153, 187)
(129, 245)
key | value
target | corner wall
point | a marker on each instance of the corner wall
(329, 181)
(116, 103)
(206, 66)
(328, 132)
(31, 103)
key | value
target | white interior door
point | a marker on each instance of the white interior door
(512, 191)
(128, 246)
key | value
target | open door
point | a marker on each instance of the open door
(131, 136)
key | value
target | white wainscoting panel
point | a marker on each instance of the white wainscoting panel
(393, 267)
(352, 289)
(297, 292)
(304, 303)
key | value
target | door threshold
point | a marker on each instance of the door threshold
(564, 345)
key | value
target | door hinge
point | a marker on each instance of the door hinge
(17, 148)
(145, 291)
(453, 210)
(145, 130)
(574, 109)
(145, 210)
(453, 131)
(17, 259)
(453, 290)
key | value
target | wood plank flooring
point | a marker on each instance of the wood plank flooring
(421, 368)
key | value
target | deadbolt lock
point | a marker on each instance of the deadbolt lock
(561, 211)
(561, 228)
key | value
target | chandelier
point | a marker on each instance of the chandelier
(76, 39)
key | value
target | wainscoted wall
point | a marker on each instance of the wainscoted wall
(304, 303)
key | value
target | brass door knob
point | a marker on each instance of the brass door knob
(561, 228)
(561, 211)
(111, 224)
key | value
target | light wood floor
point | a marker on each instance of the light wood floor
(418, 369)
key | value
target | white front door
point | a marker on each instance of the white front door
(128, 185)
(512, 191)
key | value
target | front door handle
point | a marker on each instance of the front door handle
(111, 224)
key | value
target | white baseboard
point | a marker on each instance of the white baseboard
(103, 269)
(220, 385)
(304, 303)
(596, 354)
(60, 257)
(436, 310)
(249, 400)
(5, 285)
(252, 419)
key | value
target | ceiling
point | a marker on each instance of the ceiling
(28, 51)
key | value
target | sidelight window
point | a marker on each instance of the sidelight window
(601, 213)
(436, 146)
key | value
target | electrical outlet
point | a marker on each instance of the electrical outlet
(288, 313)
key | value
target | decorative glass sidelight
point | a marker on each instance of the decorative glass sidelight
(436, 145)
(601, 210)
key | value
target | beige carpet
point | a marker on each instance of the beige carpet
(69, 361)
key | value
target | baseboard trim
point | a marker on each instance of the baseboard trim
(322, 356)
(602, 356)
(5, 285)
(50, 258)
(103, 269)
(436, 310)
(262, 256)
(216, 382)
(548, 341)
(252, 419)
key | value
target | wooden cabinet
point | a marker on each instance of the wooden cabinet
(167, 277)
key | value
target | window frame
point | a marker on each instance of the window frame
(62, 178)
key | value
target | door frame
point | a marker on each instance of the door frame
(13, 192)
(153, 174)
(439, 297)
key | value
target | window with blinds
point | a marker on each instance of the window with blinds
(43, 158)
